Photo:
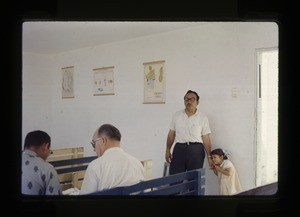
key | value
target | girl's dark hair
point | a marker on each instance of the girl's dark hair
(36, 138)
(110, 131)
(191, 91)
(219, 152)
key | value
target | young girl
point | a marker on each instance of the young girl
(229, 182)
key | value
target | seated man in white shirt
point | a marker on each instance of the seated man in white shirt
(113, 167)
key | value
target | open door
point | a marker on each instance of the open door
(267, 117)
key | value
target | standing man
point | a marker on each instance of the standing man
(190, 130)
(113, 167)
(38, 176)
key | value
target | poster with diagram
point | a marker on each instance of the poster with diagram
(68, 82)
(154, 82)
(103, 81)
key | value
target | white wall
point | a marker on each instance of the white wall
(210, 59)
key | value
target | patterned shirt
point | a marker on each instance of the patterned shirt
(38, 176)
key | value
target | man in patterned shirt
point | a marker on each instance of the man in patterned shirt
(38, 176)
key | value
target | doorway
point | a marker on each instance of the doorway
(267, 117)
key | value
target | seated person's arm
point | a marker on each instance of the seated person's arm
(90, 182)
(53, 185)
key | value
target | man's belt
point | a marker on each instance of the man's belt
(190, 143)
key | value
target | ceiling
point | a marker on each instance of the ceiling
(46, 37)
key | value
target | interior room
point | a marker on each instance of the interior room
(63, 62)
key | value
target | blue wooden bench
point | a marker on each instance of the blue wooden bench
(72, 165)
(268, 189)
(189, 183)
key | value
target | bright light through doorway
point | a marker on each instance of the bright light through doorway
(267, 117)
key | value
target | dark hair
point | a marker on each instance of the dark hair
(191, 91)
(36, 138)
(110, 131)
(219, 152)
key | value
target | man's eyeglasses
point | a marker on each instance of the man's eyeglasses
(186, 99)
(93, 142)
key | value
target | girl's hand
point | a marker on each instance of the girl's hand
(217, 168)
(214, 169)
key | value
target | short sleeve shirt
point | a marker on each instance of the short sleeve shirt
(229, 185)
(189, 129)
(38, 176)
(115, 168)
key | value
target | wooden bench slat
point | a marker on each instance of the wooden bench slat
(73, 161)
(67, 151)
(166, 181)
(65, 177)
(77, 178)
(63, 157)
(268, 189)
(71, 169)
(172, 189)
(187, 183)
(66, 186)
